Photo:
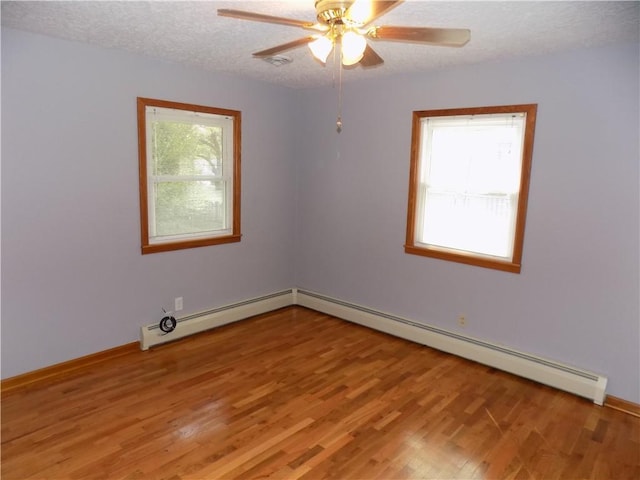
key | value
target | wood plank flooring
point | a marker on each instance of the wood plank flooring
(298, 394)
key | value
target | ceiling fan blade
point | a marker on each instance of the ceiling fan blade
(448, 37)
(371, 58)
(364, 12)
(259, 17)
(285, 46)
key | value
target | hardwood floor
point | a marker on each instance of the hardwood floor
(298, 394)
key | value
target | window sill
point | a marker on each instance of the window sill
(468, 259)
(202, 242)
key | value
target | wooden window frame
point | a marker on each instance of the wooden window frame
(461, 256)
(235, 235)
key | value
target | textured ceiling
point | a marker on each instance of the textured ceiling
(191, 33)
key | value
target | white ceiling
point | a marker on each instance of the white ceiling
(191, 33)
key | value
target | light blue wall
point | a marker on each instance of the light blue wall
(577, 298)
(322, 211)
(73, 279)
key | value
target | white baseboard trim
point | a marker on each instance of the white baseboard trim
(549, 372)
(151, 335)
(563, 377)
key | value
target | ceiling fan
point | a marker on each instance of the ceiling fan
(348, 24)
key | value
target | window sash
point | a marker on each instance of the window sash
(473, 216)
(226, 214)
(456, 210)
(156, 115)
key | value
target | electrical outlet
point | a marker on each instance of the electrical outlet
(462, 320)
(178, 304)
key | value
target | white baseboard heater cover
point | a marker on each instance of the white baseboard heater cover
(151, 335)
(563, 377)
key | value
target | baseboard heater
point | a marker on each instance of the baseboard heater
(563, 377)
(151, 335)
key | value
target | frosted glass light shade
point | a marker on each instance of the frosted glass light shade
(321, 48)
(353, 46)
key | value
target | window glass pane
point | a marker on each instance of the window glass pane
(471, 178)
(479, 159)
(475, 223)
(184, 208)
(186, 148)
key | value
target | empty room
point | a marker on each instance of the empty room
(320, 239)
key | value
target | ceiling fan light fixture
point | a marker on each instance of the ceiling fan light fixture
(360, 12)
(346, 25)
(353, 47)
(321, 48)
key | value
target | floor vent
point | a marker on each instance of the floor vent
(563, 377)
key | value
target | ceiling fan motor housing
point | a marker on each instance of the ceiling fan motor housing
(332, 12)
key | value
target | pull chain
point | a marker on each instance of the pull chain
(339, 122)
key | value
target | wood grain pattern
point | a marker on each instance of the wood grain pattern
(297, 394)
(65, 368)
(623, 405)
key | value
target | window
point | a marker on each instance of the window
(189, 162)
(469, 184)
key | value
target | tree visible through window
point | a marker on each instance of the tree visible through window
(189, 175)
(469, 184)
